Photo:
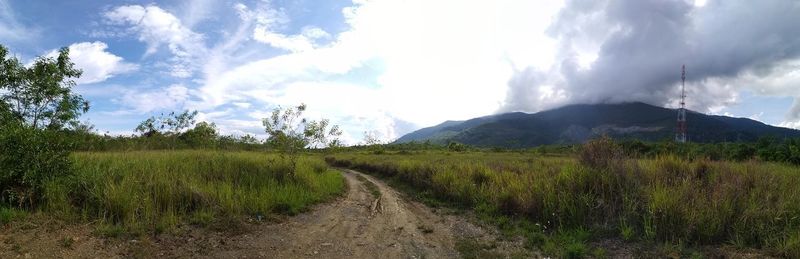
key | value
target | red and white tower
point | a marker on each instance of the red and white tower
(680, 134)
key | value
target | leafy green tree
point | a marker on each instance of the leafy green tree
(289, 132)
(171, 124)
(36, 104)
(40, 96)
(456, 147)
(5, 114)
(248, 139)
(203, 134)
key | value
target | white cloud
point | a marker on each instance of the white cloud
(427, 67)
(196, 11)
(97, 64)
(157, 27)
(173, 97)
(269, 20)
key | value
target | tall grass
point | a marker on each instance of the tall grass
(157, 190)
(665, 199)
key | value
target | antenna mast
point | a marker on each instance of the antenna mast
(680, 135)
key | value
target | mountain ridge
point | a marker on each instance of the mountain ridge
(577, 123)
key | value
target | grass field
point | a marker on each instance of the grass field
(561, 204)
(154, 191)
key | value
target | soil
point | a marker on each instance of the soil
(360, 224)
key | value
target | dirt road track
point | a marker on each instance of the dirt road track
(357, 226)
(360, 227)
(354, 226)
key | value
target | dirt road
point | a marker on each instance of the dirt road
(362, 224)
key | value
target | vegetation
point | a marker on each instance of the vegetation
(145, 191)
(203, 135)
(766, 148)
(560, 197)
(156, 190)
(36, 105)
(289, 132)
(561, 203)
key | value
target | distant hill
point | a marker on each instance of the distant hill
(578, 123)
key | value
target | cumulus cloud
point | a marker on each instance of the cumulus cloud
(635, 49)
(427, 67)
(157, 27)
(97, 63)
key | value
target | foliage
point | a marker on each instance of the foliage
(40, 95)
(29, 158)
(89, 141)
(456, 147)
(36, 104)
(767, 148)
(203, 134)
(171, 124)
(289, 132)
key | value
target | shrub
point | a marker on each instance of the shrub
(203, 135)
(456, 147)
(29, 158)
(601, 153)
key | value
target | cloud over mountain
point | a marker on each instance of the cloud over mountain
(632, 50)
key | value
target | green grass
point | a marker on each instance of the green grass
(554, 201)
(155, 191)
(10, 214)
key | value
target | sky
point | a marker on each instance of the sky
(389, 67)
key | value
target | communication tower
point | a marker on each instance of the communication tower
(680, 134)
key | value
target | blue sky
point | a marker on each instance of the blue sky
(389, 66)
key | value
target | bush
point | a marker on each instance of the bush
(456, 147)
(601, 153)
(203, 135)
(29, 158)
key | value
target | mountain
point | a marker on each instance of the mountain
(578, 123)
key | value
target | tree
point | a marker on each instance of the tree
(373, 142)
(171, 124)
(289, 132)
(371, 138)
(456, 147)
(248, 139)
(202, 135)
(40, 96)
(5, 114)
(36, 104)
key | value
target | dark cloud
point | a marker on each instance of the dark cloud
(641, 45)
